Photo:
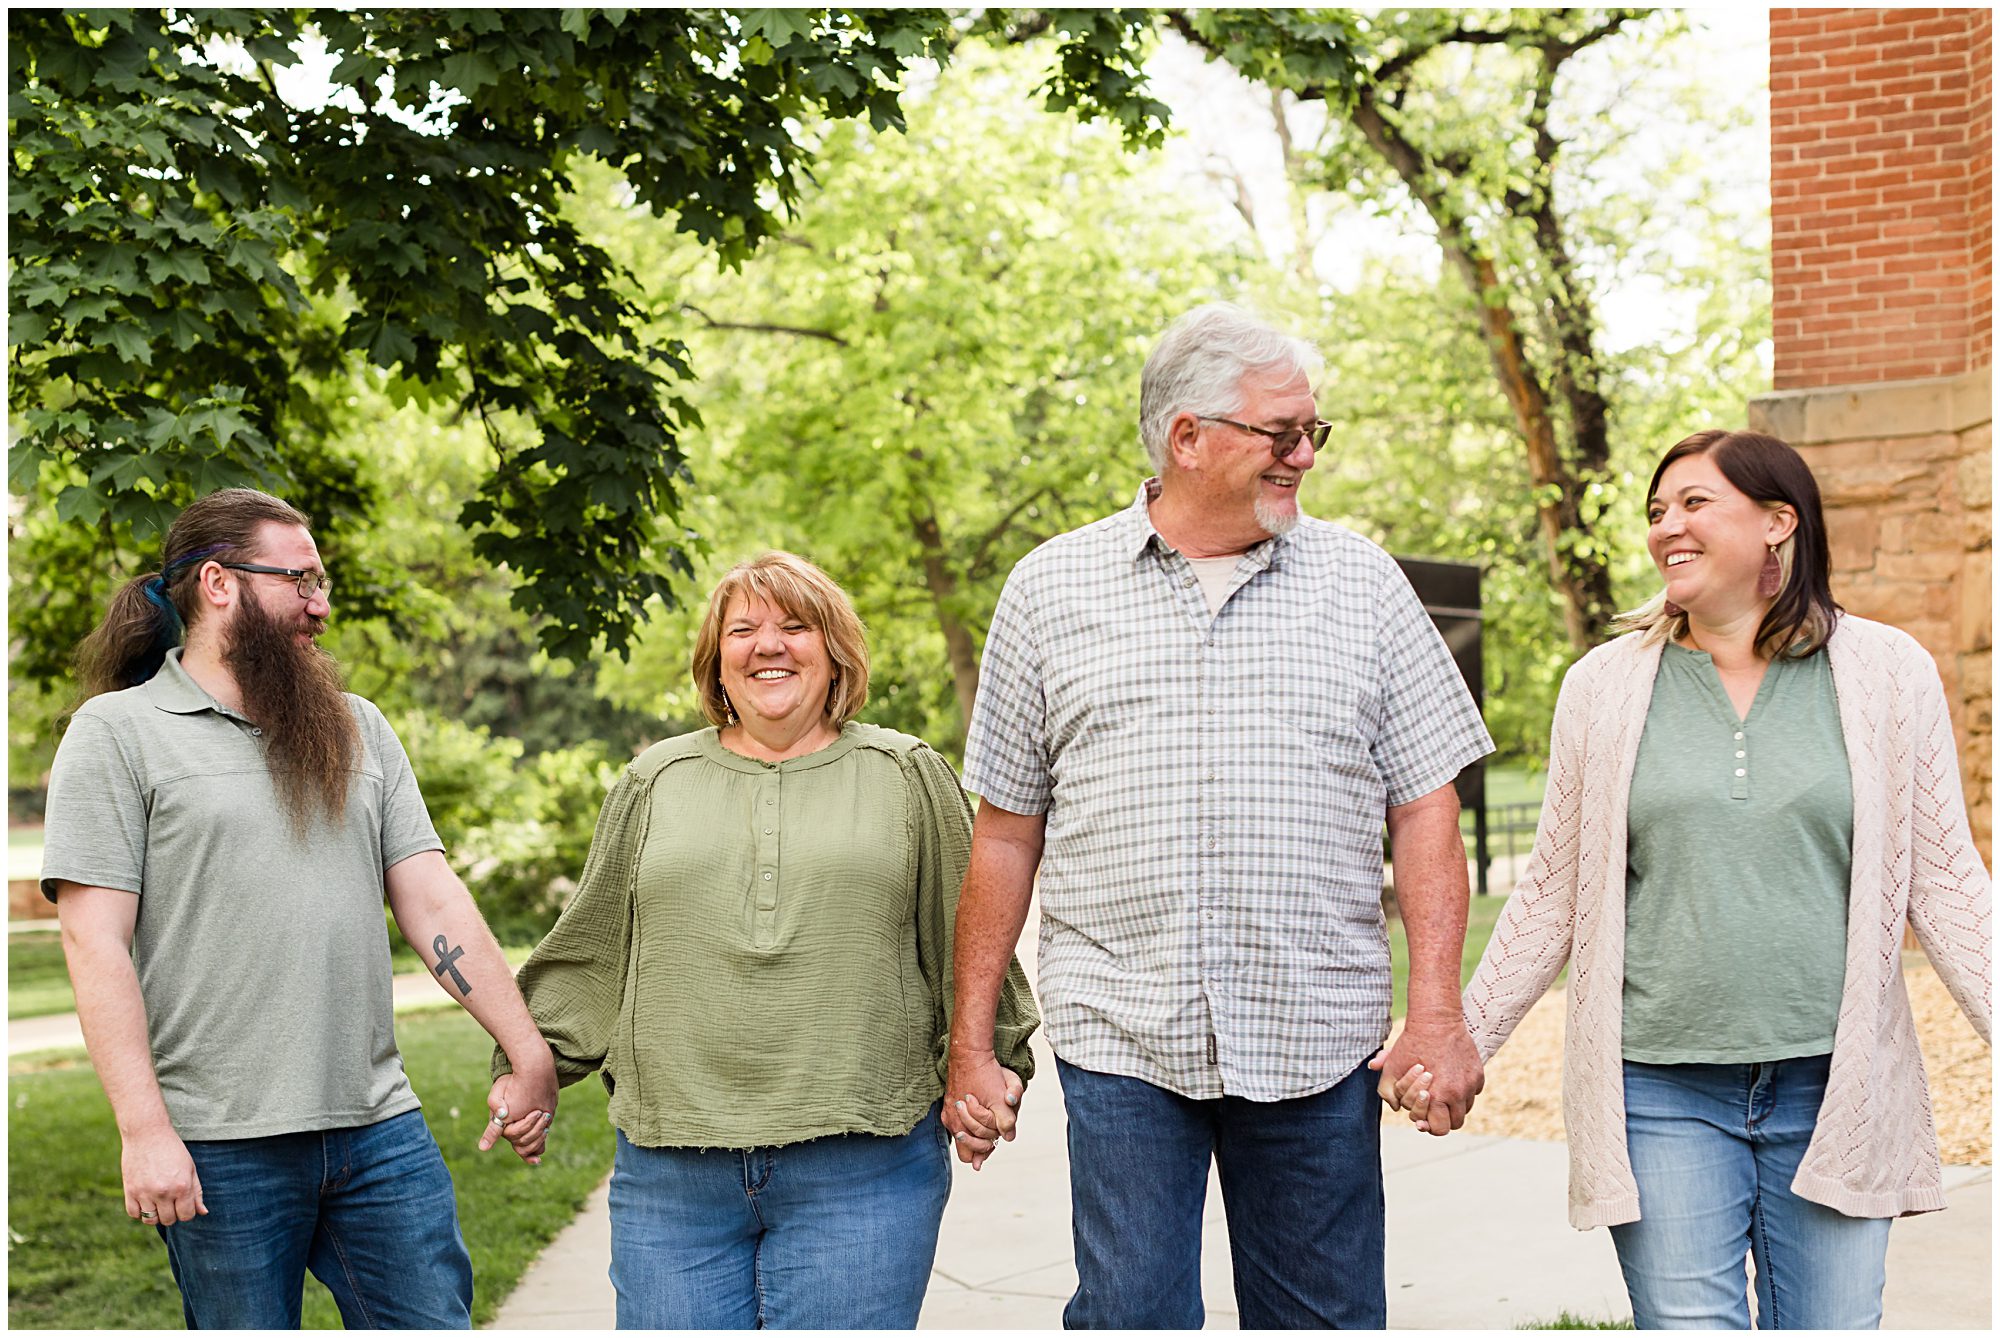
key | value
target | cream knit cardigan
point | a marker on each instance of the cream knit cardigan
(1874, 1149)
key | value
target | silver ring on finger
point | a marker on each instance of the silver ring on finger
(148, 1215)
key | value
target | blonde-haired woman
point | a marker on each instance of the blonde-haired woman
(758, 961)
(1750, 794)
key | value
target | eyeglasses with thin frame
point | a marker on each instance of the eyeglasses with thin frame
(309, 582)
(1283, 440)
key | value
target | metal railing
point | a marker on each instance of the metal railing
(1510, 834)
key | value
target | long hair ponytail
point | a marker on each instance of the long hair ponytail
(147, 616)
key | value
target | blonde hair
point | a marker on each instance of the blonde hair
(789, 582)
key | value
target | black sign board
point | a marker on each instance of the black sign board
(1449, 592)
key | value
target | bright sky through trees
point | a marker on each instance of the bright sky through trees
(1224, 140)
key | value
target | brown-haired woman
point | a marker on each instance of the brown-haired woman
(758, 959)
(1750, 794)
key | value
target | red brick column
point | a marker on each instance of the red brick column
(1881, 194)
(1882, 265)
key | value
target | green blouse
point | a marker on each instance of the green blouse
(1736, 885)
(759, 953)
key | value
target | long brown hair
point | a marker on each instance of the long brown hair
(148, 614)
(1769, 472)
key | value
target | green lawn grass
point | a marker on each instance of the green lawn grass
(38, 980)
(1565, 1320)
(77, 1262)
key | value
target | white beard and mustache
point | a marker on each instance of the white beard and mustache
(1275, 521)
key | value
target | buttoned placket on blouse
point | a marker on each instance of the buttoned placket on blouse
(769, 822)
(1211, 821)
(1739, 729)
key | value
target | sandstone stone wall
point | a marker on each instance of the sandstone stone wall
(1906, 472)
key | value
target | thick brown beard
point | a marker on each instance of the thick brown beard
(292, 690)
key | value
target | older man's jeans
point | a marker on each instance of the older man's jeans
(369, 1210)
(1301, 1184)
(831, 1233)
(1714, 1148)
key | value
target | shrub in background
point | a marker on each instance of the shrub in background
(515, 829)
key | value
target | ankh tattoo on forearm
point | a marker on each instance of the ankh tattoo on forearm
(448, 961)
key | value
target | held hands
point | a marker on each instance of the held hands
(1433, 1073)
(524, 1111)
(161, 1187)
(981, 1104)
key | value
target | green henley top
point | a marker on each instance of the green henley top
(759, 953)
(1737, 870)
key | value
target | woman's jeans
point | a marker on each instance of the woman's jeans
(1714, 1148)
(833, 1233)
(369, 1210)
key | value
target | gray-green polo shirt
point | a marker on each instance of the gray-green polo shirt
(263, 957)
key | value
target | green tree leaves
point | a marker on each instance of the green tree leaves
(171, 214)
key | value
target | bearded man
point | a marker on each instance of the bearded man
(223, 824)
(1194, 718)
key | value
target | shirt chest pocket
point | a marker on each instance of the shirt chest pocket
(1331, 710)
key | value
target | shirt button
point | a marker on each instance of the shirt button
(1739, 771)
(1739, 734)
(255, 730)
(767, 830)
(1211, 843)
(1739, 752)
(769, 802)
(767, 877)
(1186, 581)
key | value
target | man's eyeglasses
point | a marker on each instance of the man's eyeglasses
(309, 582)
(1283, 440)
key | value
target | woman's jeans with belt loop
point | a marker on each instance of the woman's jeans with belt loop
(369, 1210)
(832, 1233)
(1714, 1148)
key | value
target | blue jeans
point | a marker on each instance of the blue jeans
(370, 1210)
(832, 1233)
(1301, 1184)
(1714, 1148)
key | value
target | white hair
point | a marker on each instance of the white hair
(1200, 363)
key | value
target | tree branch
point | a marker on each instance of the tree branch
(1398, 64)
(1000, 527)
(760, 326)
(1558, 52)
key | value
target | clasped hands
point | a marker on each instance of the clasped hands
(981, 1104)
(524, 1110)
(1432, 1073)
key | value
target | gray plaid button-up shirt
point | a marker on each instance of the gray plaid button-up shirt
(1215, 789)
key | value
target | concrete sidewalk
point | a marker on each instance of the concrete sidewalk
(1477, 1239)
(61, 1031)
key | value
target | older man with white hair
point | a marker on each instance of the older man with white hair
(1193, 718)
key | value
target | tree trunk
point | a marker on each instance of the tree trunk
(957, 636)
(1583, 580)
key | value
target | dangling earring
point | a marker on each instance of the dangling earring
(1771, 577)
(728, 707)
